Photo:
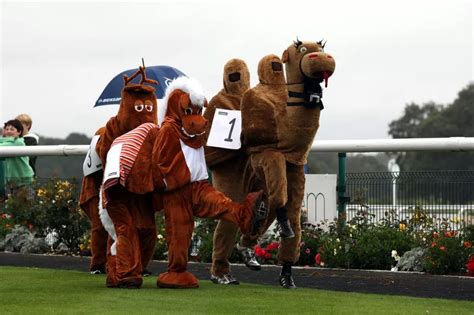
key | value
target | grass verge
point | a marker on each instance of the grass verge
(45, 291)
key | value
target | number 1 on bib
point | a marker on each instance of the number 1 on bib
(225, 130)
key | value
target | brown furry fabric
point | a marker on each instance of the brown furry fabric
(304, 61)
(264, 108)
(236, 82)
(227, 166)
(263, 123)
(133, 111)
(131, 214)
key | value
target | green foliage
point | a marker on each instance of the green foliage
(203, 238)
(161, 247)
(7, 223)
(432, 120)
(311, 238)
(447, 253)
(54, 208)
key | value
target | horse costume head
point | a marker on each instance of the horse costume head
(182, 106)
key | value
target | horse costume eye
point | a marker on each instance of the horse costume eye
(188, 111)
(149, 107)
(303, 50)
(139, 107)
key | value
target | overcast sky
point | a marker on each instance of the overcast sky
(57, 57)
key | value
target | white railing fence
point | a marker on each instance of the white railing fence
(363, 145)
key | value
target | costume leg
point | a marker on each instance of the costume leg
(227, 178)
(146, 227)
(270, 169)
(289, 248)
(128, 265)
(211, 203)
(223, 244)
(179, 229)
(98, 235)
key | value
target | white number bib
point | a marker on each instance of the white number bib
(225, 130)
(92, 162)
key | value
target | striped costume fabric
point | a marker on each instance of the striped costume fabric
(131, 142)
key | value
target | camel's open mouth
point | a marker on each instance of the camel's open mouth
(323, 76)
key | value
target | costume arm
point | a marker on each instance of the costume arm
(105, 141)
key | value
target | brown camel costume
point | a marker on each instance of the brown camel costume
(306, 65)
(227, 164)
(279, 140)
(263, 126)
(129, 217)
(178, 155)
(89, 203)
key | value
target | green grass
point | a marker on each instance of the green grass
(46, 291)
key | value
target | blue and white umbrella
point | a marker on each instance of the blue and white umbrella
(162, 74)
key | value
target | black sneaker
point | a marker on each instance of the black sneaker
(250, 259)
(224, 279)
(287, 282)
(285, 229)
(146, 273)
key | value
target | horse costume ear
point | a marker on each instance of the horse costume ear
(286, 56)
(183, 100)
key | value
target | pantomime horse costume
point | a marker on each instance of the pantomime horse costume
(168, 161)
(131, 114)
(130, 217)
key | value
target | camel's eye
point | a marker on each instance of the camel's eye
(303, 49)
(139, 107)
(188, 111)
(149, 108)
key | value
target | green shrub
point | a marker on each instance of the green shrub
(161, 247)
(447, 253)
(53, 209)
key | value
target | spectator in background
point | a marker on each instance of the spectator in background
(29, 138)
(18, 171)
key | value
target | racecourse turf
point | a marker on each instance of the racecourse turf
(49, 291)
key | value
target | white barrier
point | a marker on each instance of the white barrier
(363, 145)
(44, 150)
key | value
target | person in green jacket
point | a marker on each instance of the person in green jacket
(18, 171)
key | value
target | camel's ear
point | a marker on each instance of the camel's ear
(285, 56)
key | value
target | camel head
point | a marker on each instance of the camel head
(307, 60)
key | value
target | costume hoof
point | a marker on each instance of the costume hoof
(131, 283)
(177, 280)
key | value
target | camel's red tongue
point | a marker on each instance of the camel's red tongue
(326, 77)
